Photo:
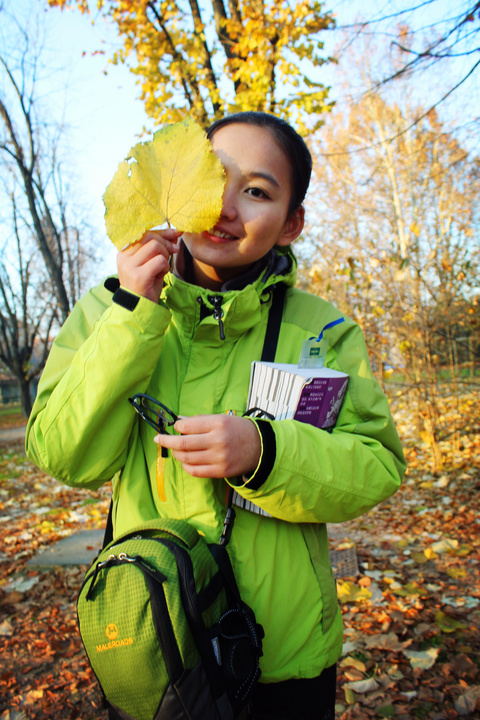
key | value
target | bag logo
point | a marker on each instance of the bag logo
(111, 631)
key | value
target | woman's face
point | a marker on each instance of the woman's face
(256, 199)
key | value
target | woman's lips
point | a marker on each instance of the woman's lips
(220, 236)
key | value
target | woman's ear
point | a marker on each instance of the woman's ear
(293, 227)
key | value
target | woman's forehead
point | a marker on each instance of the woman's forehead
(253, 150)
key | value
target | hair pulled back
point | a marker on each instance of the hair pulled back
(289, 140)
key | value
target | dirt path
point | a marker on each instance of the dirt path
(12, 434)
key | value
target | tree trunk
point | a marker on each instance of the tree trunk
(25, 398)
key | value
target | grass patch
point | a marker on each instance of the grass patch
(8, 465)
(11, 416)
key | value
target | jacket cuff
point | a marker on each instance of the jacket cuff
(121, 297)
(267, 458)
(126, 299)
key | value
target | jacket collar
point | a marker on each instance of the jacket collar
(274, 262)
(241, 298)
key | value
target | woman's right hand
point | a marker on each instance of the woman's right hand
(143, 265)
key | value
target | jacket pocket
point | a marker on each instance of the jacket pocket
(316, 540)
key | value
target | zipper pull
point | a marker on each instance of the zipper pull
(216, 301)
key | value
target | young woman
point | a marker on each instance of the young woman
(187, 336)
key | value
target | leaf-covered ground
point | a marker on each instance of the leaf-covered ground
(412, 616)
(43, 669)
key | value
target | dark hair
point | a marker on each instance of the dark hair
(289, 140)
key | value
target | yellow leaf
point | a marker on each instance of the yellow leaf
(363, 686)
(456, 572)
(419, 557)
(408, 590)
(349, 696)
(422, 659)
(462, 550)
(47, 527)
(427, 438)
(349, 592)
(424, 556)
(389, 580)
(353, 662)
(448, 624)
(446, 545)
(174, 178)
(346, 545)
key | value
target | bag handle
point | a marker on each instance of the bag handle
(179, 529)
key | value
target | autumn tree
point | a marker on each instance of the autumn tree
(394, 237)
(28, 310)
(424, 40)
(45, 250)
(20, 156)
(31, 162)
(211, 58)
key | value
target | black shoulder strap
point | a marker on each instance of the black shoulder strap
(108, 536)
(274, 324)
(268, 355)
(222, 558)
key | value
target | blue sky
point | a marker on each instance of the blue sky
(101, 112)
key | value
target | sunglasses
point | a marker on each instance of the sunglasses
(155, 413)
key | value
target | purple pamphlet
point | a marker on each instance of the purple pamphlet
(321, 400)
(286, 391)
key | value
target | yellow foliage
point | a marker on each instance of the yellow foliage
(174, 178)
(348, 592)
(259, 49)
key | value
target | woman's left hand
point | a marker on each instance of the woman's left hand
(215, 446)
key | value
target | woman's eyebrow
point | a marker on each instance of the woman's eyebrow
(265, 176)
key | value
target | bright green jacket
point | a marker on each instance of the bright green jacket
(84, 432)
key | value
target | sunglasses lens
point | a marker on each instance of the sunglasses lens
(163, 416)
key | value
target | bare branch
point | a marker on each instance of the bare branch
(411, 125)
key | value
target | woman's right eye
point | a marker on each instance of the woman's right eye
(256, 192)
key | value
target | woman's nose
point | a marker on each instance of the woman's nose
(229, 204)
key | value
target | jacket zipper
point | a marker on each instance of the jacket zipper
(216, 301)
